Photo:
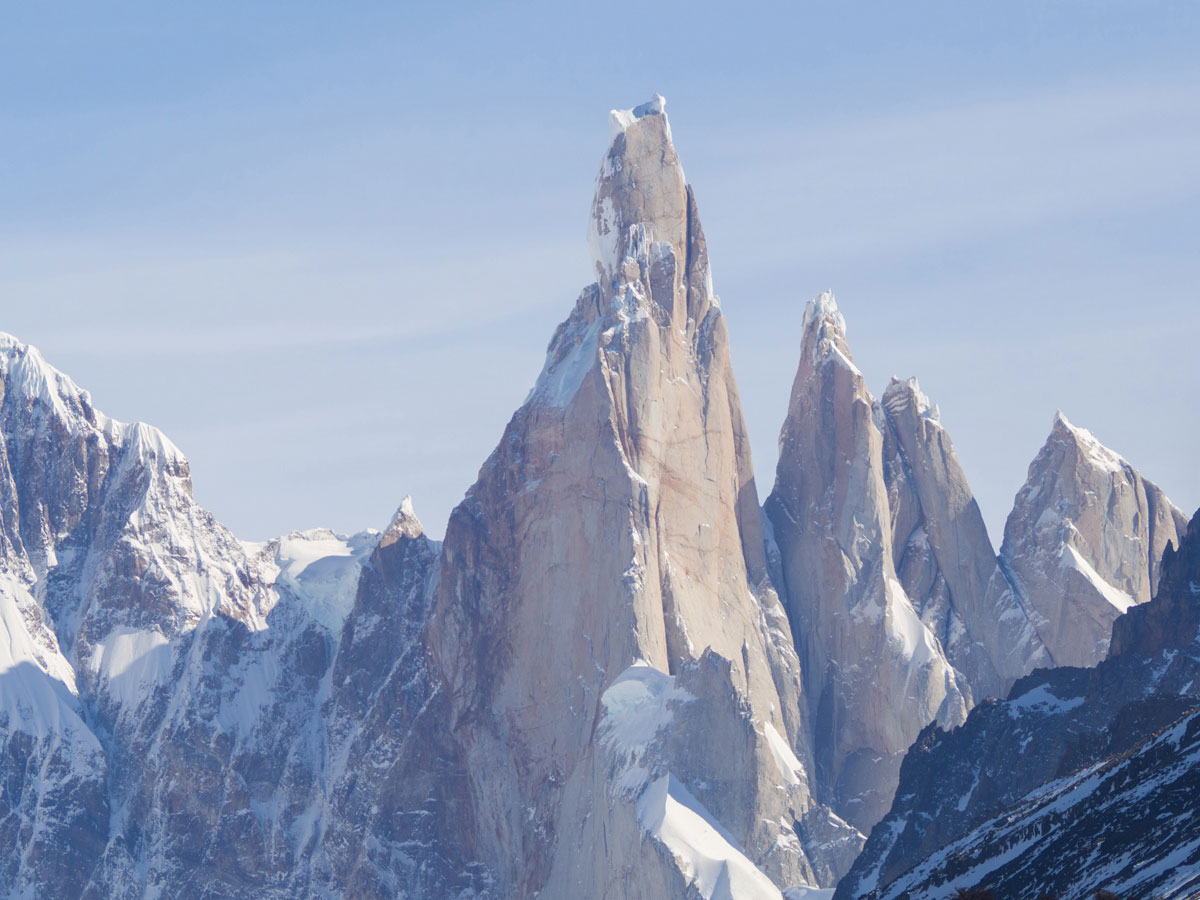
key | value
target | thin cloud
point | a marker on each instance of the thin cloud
(886, 187)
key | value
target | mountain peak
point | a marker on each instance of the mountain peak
(1090, 447)
(903, 391)
(824, 331)
(25, 370)
(621, 119)
(404, 523)
(641, 194)
(1084, 540)
(823, 308)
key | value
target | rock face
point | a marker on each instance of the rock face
(944, 558)
(617, 525)
(592, 688)
(899, 610)
(1083, 542)
(134, 620)
(873, 672)
(393, 797)
(589, 690)
(1077, 753)
(1086, 832)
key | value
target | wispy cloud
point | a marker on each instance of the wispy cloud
(172, 302)
(887, 186)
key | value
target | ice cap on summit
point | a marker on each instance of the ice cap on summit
(621, 119)
(404, 523)
(641, 192)
(823, 306)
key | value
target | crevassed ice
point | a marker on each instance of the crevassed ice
(322, 568)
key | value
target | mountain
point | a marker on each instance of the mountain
(1083, 778)
(1125, 824)
(614, 536)
(944, 558)
(158, 676)
(1084, 540)
(899, 608)
(902, 612)
(617, 676)
(590, 682)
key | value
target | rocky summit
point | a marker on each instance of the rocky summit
(618, 676)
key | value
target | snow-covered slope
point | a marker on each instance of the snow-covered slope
(1082, 778)
(1126, 824)
(160, 682)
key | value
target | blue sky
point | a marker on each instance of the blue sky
(323, 246)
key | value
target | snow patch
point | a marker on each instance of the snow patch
(37, 693)
(900, 391)
(322, 568)
(789, 766)
(714, 867)
(1095, 452)
(1070, 559)
(37, 686)
(129, 664)
(149, 445)
(604, 236)
(637, 705)
(906, 627)
(802, 892)
(1041, 700)
(619, 120)
(17, 642)
(560, 380)
(823, 309)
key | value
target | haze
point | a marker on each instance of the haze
(324, 252)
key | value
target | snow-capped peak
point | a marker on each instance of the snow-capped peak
(26, 374)
(902, 391)
(24, 370)
(404, 523)
(640, 184)
(824, 331)
(1096, 453)
(621, 119)
(824, 308)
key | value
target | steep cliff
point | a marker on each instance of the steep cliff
(617, 525)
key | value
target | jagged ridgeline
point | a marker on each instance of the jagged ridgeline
(1084, 779)
(617, 677)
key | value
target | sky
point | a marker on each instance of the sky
(323, 246)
